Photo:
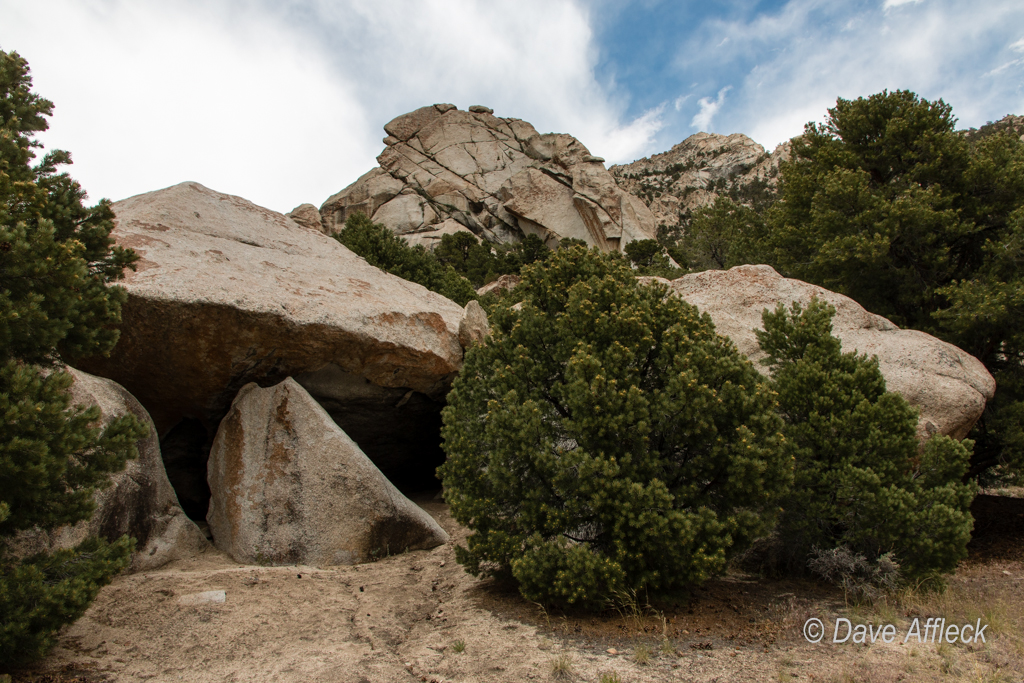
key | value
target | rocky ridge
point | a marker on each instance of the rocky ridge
(705, 166)
(1009, 123)
(699, 169)
(446, 170)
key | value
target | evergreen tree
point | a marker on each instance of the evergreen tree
(605, 439)
(723, 235)
(888, 204)
(650, 258)
(531, 249)
(57, 261)
(860, 482)
(391, 253)
(470, 257)
(872, 205)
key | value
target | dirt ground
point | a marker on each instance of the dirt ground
(419, 617)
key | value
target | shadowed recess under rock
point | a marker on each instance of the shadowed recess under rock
(398, 429)
(186, 450)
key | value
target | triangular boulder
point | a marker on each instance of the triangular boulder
(290, 487)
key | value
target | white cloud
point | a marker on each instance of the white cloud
(680, 101)
(798, 60)
(889, 4)
(1003, 67)
(149, 95)
(708, 108)
(622, 143)
(284, 102)
(1018, 46)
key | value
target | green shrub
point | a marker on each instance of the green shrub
(860, 480)
(721, 236)
(391, 253)
(469, 257)
(887, 203)
(649, 258)
(57, 261)
(605, 439)
(41, 594)
(457, 266)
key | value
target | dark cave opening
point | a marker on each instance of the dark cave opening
(404, 442)
(185, 450)
(399, 431)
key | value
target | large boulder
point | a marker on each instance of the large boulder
(227, 293)
(139, 501)
(308, 216)
(497, 177)
(290, 487)
(948, 386)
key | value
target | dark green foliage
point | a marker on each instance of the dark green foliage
(605, 439)
(721, 236)
(886, 203)
(43, 593)
(984, 316)
(470, 257)
(480, 264)
(870, 204)
(389, 252)
(57, 261)
(41, 485)
(530, 250)
(643, 253)
(860, 481)
(757, 193)
(650, 258)
(457, 266)
(56, 256)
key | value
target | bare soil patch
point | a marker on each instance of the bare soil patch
(419, 617)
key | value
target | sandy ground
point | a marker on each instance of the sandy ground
(419, 617)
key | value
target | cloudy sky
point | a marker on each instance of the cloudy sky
(283, 101)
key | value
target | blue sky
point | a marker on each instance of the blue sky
(283, 102)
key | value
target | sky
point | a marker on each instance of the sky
(283, 101)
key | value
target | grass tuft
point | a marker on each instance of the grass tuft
(561, 667)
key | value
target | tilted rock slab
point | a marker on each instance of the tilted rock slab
(227, 293)
(947, 385)
(497, 177)
(139, 501)
(504, 282)
(290, 487)
(474, 328)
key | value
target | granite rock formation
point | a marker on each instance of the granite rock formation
(290, 487)
(948, 386)
(497, 177)
(139, 502)
(227, 293)
(699, 169)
